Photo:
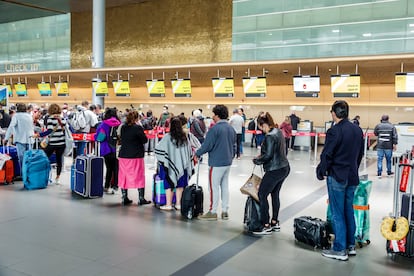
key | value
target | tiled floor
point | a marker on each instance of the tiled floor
(50, 232)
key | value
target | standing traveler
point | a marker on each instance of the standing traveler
(294, 121)
(197, 125)
(339, 164)
(107, 135)
(22, 129)
(131, 174)
(174, 154)
(286, 128)
(387, 143)
(237, 122)
(243, 138)
(219, 144)
(276, 166)
(55, 131)
(164, 118)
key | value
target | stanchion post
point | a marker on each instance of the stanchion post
(365, 151)
(316, 149)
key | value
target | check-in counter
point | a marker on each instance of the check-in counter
(304, 142)
(405, 137)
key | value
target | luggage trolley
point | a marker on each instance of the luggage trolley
(402, 211)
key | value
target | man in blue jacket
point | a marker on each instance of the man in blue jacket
(340, 160)
(220, 144)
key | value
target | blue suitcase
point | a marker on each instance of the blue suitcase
(158, 190)
(88, 178)
(36, 169)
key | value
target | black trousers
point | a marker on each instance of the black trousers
(59, 155)
(271, 183)
(111, 163)
(239, 138)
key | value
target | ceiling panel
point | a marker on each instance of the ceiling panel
(28, 9)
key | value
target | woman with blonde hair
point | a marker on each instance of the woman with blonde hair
(55, 130)
(131, 173)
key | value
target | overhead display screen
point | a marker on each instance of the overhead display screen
(21, 90)
(181, 88)
(306, 86)
(62, 88)
(156, 88)
(44, 89)
(100, 88)
(404, 85)
(223, 87)
(346, 86)
(8, 88)
(254, 86)
(121, 88)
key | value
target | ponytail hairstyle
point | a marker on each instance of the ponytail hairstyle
(267, 119)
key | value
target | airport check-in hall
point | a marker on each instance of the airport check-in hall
(281, 57)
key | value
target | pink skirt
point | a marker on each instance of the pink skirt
(131, 173)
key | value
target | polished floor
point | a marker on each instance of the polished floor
(51, 232)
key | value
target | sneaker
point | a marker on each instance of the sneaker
(352, 250)
(109, 191)
(57, 181)
(177, 207)
(224, 216)
(208, 216)
(379, 176)
(275, 227)
(166, 208)
(337, 255)
(390, 174)
(264, 231)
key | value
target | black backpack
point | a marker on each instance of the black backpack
(113, 137)
(251, 125)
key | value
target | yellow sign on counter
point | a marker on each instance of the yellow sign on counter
(181, 87)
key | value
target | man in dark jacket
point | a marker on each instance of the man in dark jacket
(340, 160)
(294, 121)
(387, 143)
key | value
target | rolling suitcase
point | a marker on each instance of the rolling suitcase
(252, 221)
(7, 170)
(158, 189)
(312, 231)
(35, 169)
(192, 199)
(89, 175)
(12, 151)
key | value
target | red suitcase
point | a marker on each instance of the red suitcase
(7, 172)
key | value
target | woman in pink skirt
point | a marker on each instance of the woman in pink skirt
(131, 173)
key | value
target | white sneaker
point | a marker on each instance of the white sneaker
(57, 181)
(109, 191)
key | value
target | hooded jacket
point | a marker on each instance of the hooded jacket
(103, 134)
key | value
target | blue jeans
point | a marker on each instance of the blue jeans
(341, 198)
(388, 157)
(21, 149)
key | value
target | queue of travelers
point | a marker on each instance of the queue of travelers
(123, 141)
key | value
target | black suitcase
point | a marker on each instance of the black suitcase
(192, 199)
(252, 221)
(312, 231)
(405, 206)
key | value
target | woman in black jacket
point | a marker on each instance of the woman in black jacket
(276, 166)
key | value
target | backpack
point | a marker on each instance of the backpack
(78, 120)
(113, 137)
(251, 125)
(147, 124)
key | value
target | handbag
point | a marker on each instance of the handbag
(251, 187)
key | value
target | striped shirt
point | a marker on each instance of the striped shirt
(56, 138)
